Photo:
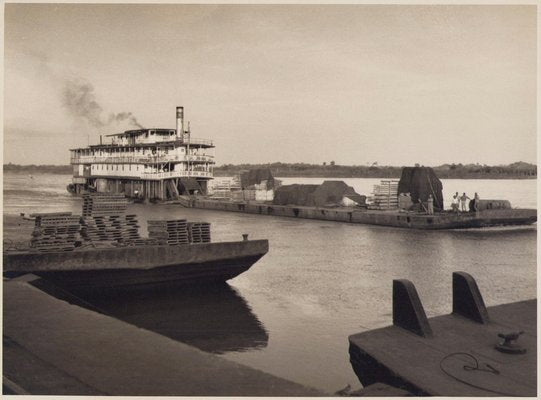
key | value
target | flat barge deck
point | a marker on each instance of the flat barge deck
(460, 354)
(412, 220)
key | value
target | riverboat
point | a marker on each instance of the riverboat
(148, 164)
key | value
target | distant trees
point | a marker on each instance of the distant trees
(451, 171)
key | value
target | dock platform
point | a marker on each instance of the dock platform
(455, 354)
(51, 347)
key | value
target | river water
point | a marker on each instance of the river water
(290, 315)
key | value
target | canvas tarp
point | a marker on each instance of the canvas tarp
(421, 182)
(301, 195)
(329, 193)
(255, 177)
(188, 186)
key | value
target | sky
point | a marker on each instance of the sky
(354, 84)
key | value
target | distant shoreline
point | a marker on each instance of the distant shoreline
(519, 170)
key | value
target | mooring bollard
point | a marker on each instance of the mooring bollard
(245, 237)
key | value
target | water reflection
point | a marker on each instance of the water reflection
(213, 318)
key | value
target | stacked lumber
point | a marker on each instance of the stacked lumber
(170, 232)
(385, 196)
(199, 232)
(110, 228)
(55, 232)
(105, 220)
(104, 204)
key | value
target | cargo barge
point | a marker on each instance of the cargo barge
(138, 267)
(102, 249)
(393, 218)
(474, 351)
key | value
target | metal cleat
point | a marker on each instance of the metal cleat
(509, 345)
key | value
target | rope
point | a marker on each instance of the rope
(434, 193)
(470, 368)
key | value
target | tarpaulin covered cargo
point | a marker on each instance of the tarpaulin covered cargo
(421, 182)
(189, 186)
(329, 193)
(255, 177)
(302, 195)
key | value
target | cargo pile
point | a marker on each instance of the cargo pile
(170, 232)
(55, 232)
(105, 220)
(199, 232)
(385, 196)
(420, 182)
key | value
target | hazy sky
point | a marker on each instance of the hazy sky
(354, 84)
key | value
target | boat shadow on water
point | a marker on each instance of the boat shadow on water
(214, 318)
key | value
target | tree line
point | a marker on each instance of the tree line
(518, 170)
(332, 170)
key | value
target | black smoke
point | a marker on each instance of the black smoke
(80, 101)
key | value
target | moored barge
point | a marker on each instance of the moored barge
(393, 218)
(474, 351)
(138, 267)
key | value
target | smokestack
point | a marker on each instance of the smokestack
(180, 122)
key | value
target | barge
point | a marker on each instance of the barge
(393, 218)
(138, 267)
(102, 249)
(474, 351)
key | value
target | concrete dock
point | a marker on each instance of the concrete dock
(52, 347)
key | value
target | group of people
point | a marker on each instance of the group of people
(463, 202)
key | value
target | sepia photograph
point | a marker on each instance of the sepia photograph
(270, 200)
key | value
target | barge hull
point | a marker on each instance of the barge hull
(446, 220)
(139, 266)
(155, 278)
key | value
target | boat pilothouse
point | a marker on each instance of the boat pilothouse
(147, 164)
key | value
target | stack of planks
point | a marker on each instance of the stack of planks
(385, 196)
(105, 220)
(199, 232)
(55, 232)
(170, 232)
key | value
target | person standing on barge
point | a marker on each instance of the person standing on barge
(463, 204)
(454, 203)
(430, 204)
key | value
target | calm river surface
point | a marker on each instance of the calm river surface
(291, 313)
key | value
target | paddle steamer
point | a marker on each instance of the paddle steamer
(149, 164)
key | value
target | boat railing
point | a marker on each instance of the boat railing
(199, 141)
(140, 159)
(176, 174)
